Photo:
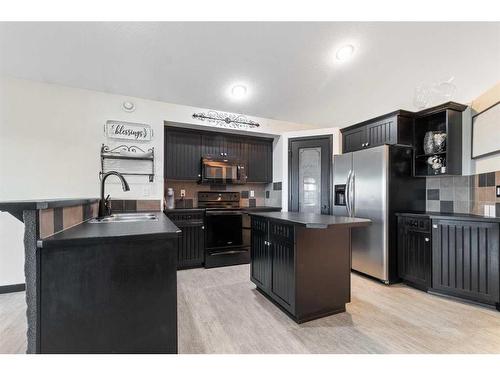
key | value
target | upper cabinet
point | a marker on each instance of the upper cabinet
(184, 149)
(438, 140)
(260, 160)
(435, 134)
(182, 152)
(393, 128)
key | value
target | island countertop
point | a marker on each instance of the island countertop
(89, 233)
(314, 221)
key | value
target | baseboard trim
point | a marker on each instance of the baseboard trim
(12, 288)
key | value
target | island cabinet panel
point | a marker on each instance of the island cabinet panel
(281, 240)
(182, 155)
(191, 244)
(260, 265)
(466, 259)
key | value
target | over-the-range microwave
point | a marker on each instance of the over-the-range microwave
(221, 170)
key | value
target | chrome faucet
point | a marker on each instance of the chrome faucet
(104, 209)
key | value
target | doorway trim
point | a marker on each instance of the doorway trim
(329, 138)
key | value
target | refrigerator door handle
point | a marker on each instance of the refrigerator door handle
(348, 193)
(351, 194)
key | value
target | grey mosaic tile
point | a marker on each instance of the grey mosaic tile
(446, 194)
(432, 183)
(446, 206)
(433, 194)
(461, 207)
(433, 206)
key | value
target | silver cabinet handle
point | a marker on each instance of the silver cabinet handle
(427, 239)
(203, 227)
(434, 226)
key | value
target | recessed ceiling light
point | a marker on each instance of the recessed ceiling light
(239, 91)
(345, 52)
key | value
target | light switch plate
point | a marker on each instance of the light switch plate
(183, 193)
(498, 191)
(252, 193)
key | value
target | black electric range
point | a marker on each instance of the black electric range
(225, 243)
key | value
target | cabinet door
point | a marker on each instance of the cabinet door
(281, 237)
(353, 140)
(382, 132)
(191, 246)
(465, 259)
(182, 155)
(414, 257)
(260, 254)
(213, 144)
(260, 161)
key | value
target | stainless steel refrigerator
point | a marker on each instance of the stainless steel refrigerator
(375, 183)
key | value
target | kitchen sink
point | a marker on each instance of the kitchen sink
(124, 218)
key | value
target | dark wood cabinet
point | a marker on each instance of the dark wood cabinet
(260, 160)
(456, 256)
(260, 254)
(281, 238)
(273, 260)
(191, 243)
(393, 128)
(305, 271)
(182, 154)
(184, 149)
(466, 259)
(446, 118)
(414, 251)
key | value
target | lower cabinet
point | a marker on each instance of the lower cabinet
(414, 251)
(466, 259)
(273, 260)
(191, 245)
(456, 257)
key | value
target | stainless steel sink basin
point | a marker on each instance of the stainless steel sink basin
(125, 218)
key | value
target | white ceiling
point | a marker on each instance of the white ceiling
(289, 67)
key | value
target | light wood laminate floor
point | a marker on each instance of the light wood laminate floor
(221, 312)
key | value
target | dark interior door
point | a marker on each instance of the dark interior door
(309, 166)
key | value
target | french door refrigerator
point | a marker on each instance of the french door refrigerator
(376, 183)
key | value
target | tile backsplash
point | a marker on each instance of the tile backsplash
(463, 194)
(264, 194)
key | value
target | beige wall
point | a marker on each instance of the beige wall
(488, 163)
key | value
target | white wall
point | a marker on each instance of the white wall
(280, 156)
(50, 139)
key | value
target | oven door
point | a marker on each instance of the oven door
(224, 230)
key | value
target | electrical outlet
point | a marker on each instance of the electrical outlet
(252, 194)
(183, 193)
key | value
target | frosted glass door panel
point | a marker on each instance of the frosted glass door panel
(310, 180)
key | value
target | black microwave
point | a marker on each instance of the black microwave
(220, 170)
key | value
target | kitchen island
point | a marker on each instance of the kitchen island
(302, 262)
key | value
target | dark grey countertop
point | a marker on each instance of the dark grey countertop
(90, 233)
(244, 209)
(41, 204)
(313, 220)
(454, 216)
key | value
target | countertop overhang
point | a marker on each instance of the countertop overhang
(314, 221)
(91, 233)
(16, 208)
(451, 216)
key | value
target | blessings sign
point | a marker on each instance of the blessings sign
(128, 130)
